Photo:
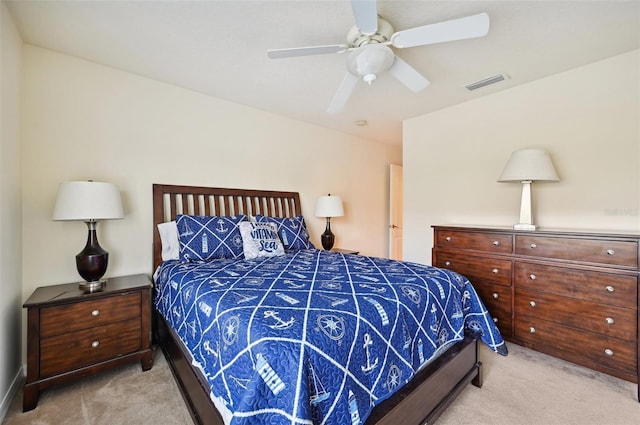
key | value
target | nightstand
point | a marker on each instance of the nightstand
(71, 333)
(346, 251)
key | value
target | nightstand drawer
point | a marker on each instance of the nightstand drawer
(89, 346)
(88, 314)
(604, 319)
(619, 253)
(607, 288)
(486, 242)
(477, 269)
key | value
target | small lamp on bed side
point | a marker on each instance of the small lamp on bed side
(90, 202)
(526, 166)
(329, 206)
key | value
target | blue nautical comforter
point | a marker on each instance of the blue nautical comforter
(315, 336)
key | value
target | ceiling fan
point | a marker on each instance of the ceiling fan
(370, 54)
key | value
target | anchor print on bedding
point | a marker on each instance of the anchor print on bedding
(315, 336)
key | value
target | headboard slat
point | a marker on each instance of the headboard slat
(171, 200)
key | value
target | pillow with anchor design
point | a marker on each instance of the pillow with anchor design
(292, 231)
(260, 240)
(204, 238)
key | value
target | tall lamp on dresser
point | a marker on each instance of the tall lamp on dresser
(526, 166)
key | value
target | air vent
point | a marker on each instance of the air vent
(487, 81)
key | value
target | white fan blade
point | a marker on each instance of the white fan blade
(366, 14)
(408, 76)
(307, 51)
(455, 29)
(344, 92)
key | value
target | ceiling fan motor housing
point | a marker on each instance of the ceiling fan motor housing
(355, 38)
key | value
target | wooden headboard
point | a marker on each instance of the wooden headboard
(171, 200)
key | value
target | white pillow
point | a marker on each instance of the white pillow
(169, 238)
(260, 240)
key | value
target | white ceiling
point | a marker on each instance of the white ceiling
(219, 48)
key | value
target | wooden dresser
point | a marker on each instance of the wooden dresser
(573, 295)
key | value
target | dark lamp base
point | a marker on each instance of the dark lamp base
(327, 238)
(95, 286)
(92, 261)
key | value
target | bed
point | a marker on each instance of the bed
(304, 309)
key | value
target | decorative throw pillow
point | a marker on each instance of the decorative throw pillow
(260, 240)
(292, 231)
(205, 238)
(169, 240)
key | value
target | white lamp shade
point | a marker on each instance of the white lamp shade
(529, 165)
(88, 200)
(329, 206)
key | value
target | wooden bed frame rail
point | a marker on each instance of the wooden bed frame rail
(421, 401)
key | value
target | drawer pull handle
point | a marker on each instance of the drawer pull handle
(609, 321)
(609, 288)
(533, 246)
(448, 239)
(496, 243)
(610, 252)
(95, 344)
(95, 312)
(608, 352)
(495, 271)
(532, 276)
(532, 330)
(495, 320)
(447, 263)
(495, 295)
(532, 303)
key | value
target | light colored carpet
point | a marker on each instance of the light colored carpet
(125, 395)
(524, 388)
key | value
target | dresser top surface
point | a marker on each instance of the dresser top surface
(543, 231)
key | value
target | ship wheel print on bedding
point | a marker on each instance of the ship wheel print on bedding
(394, 376)
(332, 326)
(230, 329)
(412, 293)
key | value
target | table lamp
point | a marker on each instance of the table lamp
(328, 206)
(90, 202)
(526, 166)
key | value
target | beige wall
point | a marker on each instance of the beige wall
(588, 119)
(86, 121)
(10, 211)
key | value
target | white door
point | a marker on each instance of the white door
(395, 212)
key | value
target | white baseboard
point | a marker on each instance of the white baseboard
(13, 390)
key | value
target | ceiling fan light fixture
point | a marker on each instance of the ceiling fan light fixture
(370, 60)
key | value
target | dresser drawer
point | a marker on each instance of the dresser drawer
(577, 345)
(619, 253)
(497, 299)
(487, 242)
(88, 314)
(607, 288)
(477, 268)
(73, 350)
(608, 320)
